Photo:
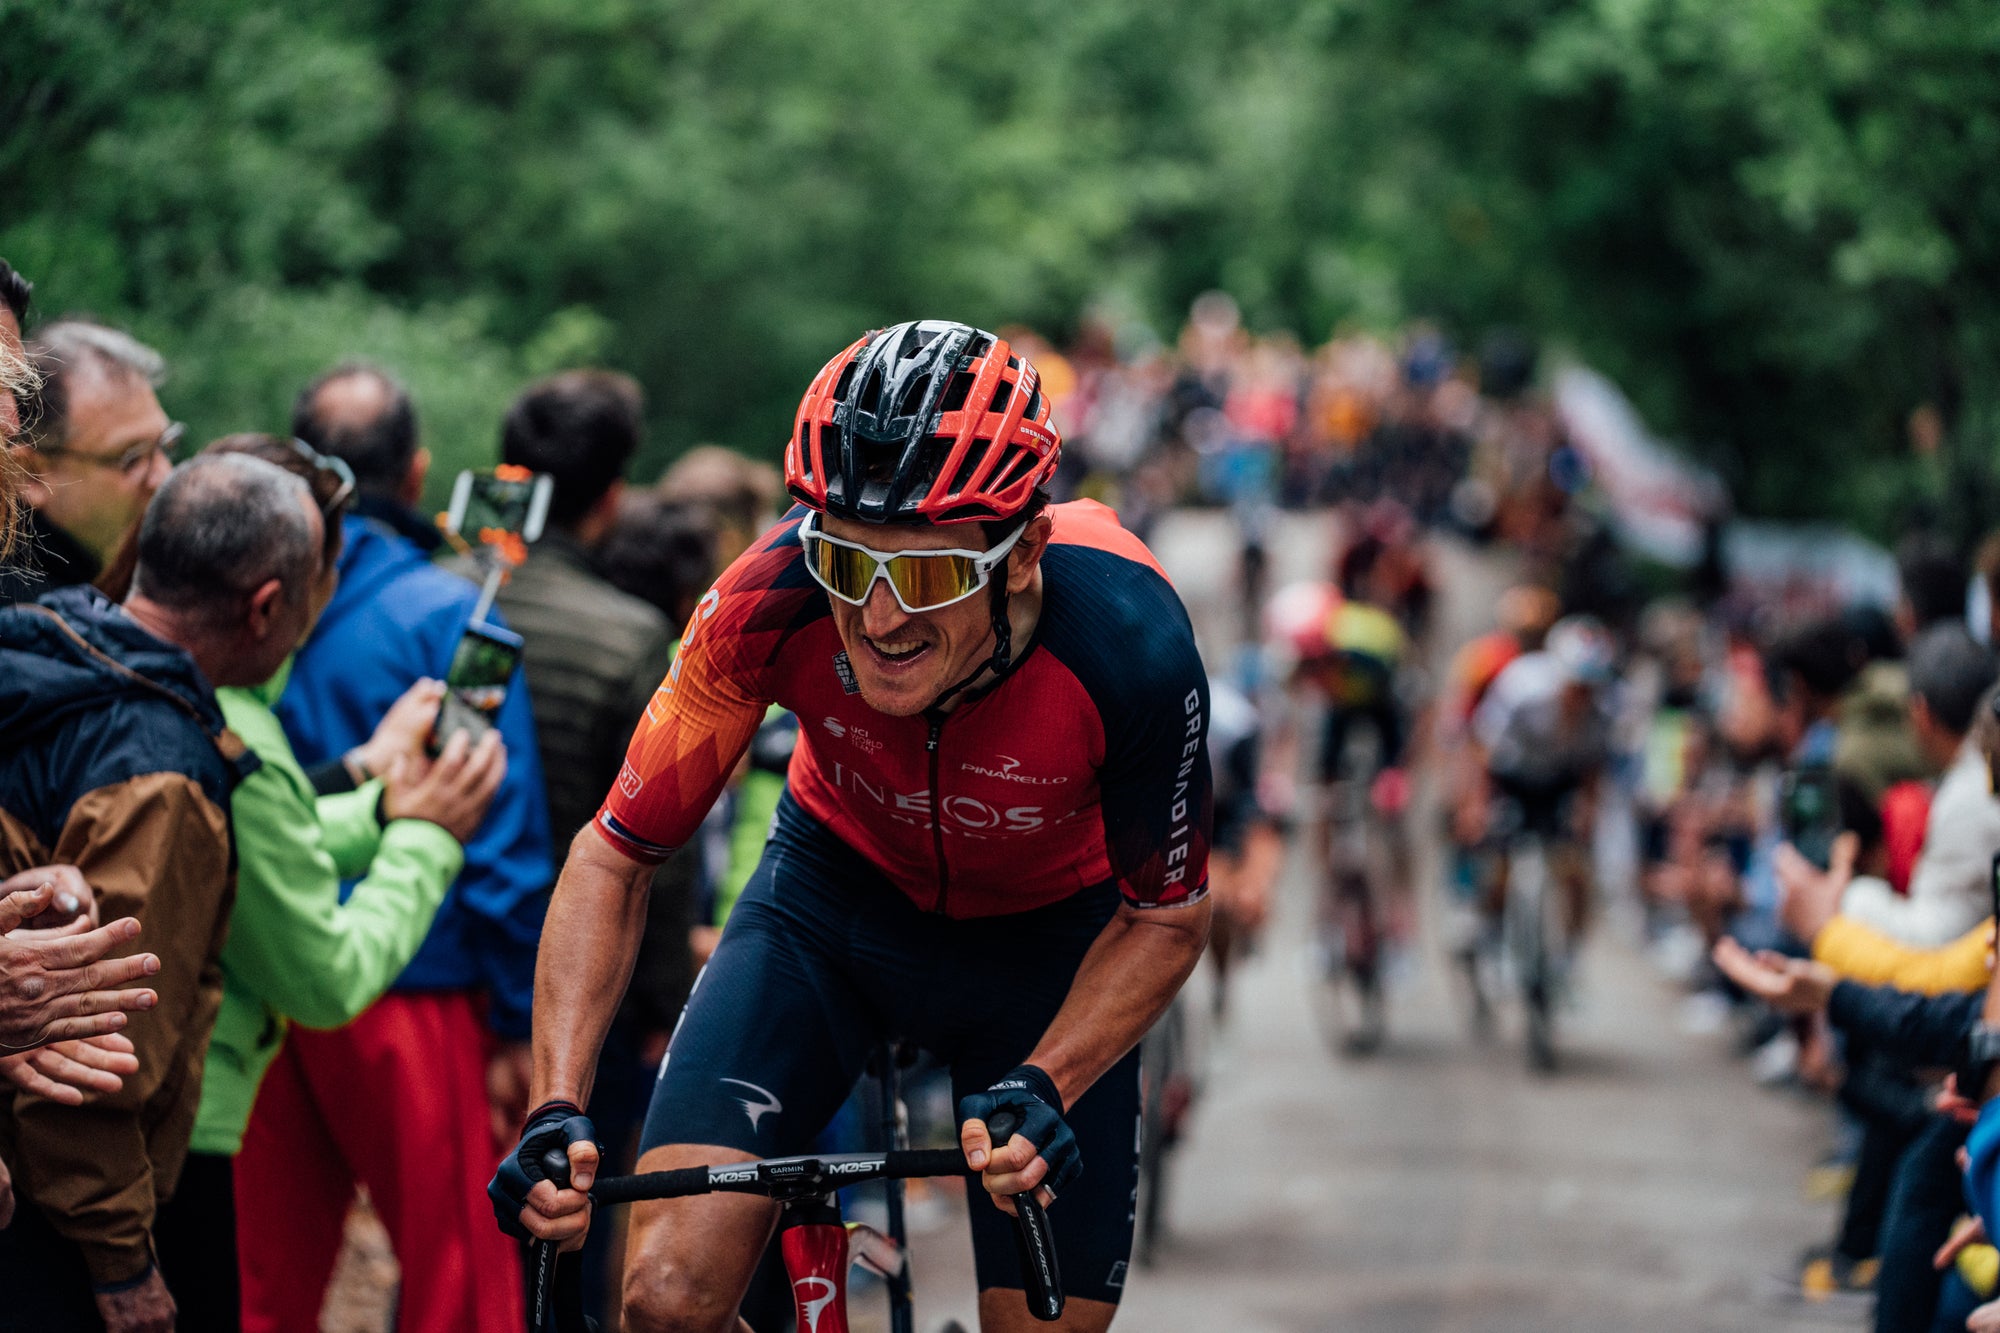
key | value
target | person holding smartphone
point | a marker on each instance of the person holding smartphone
(1950, 673)
(392, 1099)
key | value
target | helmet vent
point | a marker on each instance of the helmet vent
(845, 382)
(871, 395)
(1017, 467)
(913, 397)
(973, 458)
(955, 392)
(1034, 404)
(1001, 397)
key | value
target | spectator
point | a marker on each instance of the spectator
(296, 951)
(391, 1100)
(743, 495)
(662, 551)
(1948, 891)
(1877, 746)
(1933, 581)
(116, 759)
(95, 446)
(15, 381)
(594, 655)
(593, 659)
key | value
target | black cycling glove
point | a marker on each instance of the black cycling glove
(1031, 1094)
(550, 1125)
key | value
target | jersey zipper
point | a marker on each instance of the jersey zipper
(937, 812)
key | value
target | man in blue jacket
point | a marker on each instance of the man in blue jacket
(405, 1099)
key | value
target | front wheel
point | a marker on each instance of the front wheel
(1350, 1002)
(1533, 937)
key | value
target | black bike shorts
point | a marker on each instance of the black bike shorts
(822, 960)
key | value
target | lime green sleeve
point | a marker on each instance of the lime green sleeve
(350, 829)
(756, 802)
(292, 942)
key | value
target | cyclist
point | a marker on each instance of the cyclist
(1543, 737)
(993, 841)
(1525, 614)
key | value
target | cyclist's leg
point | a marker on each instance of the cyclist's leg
(1092, 1220)
(1002, 981)
(771, 1042)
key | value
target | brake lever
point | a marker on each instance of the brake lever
(558, 1295)
(1034, 1240)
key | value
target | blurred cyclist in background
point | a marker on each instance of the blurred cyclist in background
(1543, 738)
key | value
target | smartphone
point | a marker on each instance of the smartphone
(476, 686)
(1811, 809)
(485, 505)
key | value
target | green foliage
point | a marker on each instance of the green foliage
(1774, 222)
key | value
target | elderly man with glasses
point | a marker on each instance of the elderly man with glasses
(95, 446)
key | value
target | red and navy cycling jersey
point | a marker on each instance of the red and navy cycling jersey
(1087, 764)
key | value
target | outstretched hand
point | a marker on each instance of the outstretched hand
(1796, 986)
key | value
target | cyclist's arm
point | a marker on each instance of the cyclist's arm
(1157, 797)
(589, 946)
(1127, 980)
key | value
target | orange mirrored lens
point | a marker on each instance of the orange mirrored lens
(932, 580)
(921, 581)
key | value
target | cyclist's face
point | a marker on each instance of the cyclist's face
(903, 661)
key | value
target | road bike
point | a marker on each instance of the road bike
(1349, 925)
(1534, 822)
(1169, 1084)
(818, 1247)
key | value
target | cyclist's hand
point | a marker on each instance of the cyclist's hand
(455, 791)
(526, 1202)
(1042, 1154)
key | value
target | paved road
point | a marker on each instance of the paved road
(1440, 1186)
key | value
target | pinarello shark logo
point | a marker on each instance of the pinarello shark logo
(813, 1306)
(755, 1109)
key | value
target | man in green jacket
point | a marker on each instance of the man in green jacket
(296, 952)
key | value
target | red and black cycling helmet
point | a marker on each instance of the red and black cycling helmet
(926, 422)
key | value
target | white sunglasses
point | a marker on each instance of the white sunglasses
(919, 580)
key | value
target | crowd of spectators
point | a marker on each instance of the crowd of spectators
(265, 947)
(1818, 834)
